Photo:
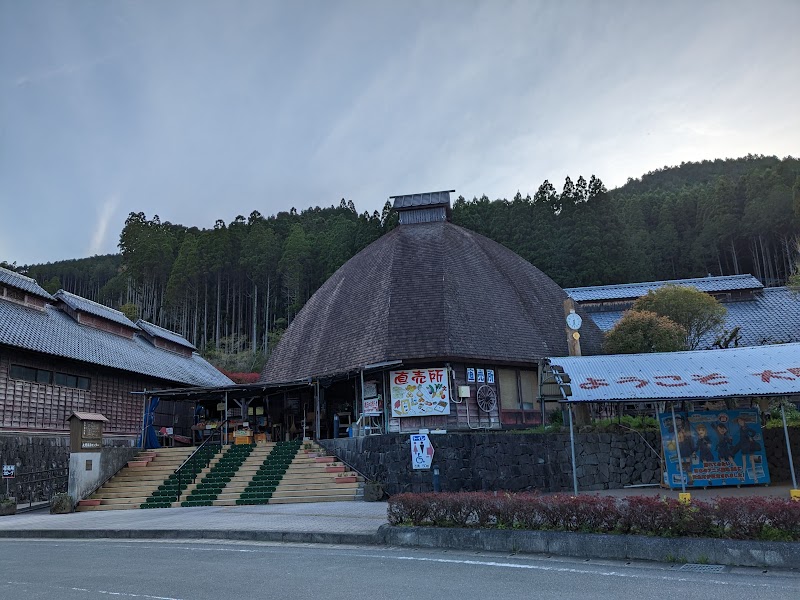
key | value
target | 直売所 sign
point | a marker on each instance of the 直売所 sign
(420, 392)
(421, 452)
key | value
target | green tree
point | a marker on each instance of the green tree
(643, 331)
(696, 312)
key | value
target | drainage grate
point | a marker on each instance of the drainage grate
(703, 568)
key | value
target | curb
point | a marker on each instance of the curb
(782, 555)
(298, 537)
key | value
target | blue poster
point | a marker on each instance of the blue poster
(716, 448)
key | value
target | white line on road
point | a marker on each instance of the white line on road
(104, 592)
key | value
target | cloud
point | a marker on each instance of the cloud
(101, 228)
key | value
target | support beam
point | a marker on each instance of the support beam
(572, 448)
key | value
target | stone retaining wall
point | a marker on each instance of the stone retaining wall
(526, 462)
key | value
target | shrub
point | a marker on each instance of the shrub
(734, 518)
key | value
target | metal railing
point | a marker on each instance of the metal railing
(181, 470)
(38, 486)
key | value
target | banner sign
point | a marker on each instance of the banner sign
(421, 452)
(420, 392)
(717, 448)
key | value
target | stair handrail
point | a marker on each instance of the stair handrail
(179, 470)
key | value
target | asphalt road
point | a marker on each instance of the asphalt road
(162, 570)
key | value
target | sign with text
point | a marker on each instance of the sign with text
(9, 471)
(716, 448)
(420, 392)
(421, 452)
(372, 406)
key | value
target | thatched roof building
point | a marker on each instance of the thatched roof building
(429, 292)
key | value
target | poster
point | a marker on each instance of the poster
(421, 452)
(420, 392)
(372, 406)
(717, 448)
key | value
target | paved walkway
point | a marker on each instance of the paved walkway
(362, 518)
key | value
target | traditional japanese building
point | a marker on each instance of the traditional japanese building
(61, 354)
(431, 326)
(760, 315)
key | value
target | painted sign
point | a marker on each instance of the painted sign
(9, 471)
(420, 392)
(421, 451)
(489, 375)
(717, 448)
(470, 375)
(481, 376)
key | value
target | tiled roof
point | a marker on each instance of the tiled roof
(51, 331)
(629, 291)
(772, 316)
(434, 292)
(164, 334)
(765, 371)
(85, 416)
(21, 282)
(421, 200)
(94, 308)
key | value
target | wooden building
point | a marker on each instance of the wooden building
(431, 326)
(62, 354)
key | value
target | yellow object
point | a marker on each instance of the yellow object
(244, 439)
(685, 498)
(794, 495)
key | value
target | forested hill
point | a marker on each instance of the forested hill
(237, 285)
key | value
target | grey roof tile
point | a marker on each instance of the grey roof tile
(94, 308)
(164, 334)
(410, 201)
(21, 282)
(772, 316)
(429, 291)
(625, 291)
(51, 331)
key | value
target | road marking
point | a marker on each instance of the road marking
(103, 592)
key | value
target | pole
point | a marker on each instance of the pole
(144, 417)
(788, 448)
(572, 447)
(225, 418)
(678, 447)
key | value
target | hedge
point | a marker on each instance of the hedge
(733, 518)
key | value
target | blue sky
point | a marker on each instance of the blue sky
(198, 110)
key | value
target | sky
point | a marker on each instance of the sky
(200, 110)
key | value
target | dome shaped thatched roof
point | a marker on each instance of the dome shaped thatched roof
(428, 291)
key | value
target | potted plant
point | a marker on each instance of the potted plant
(8, 505)
(61, 504)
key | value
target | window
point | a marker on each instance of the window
(48, 377)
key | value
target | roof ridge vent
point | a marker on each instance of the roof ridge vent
(430, 207)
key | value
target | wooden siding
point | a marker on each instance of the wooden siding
(26, 405)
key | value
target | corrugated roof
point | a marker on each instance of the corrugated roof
(421, 200)
(772, 316)
(701, 374)
(51, 331)
(94, 308)
(21, 282)
(629, 291)
(164, 334)
(434, 291)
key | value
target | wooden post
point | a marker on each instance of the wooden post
(582, 416)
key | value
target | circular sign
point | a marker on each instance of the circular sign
(574, 320)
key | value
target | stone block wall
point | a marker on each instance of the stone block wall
(527, 462)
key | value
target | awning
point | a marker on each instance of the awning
(701, 374)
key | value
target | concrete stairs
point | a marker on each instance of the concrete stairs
(134, 483)
(313, 476)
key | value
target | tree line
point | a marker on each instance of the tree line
(236, 287)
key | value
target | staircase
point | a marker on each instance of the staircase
(136, 482)
(272, 473)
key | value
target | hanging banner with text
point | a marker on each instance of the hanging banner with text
(420, 392)
(716, 447)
